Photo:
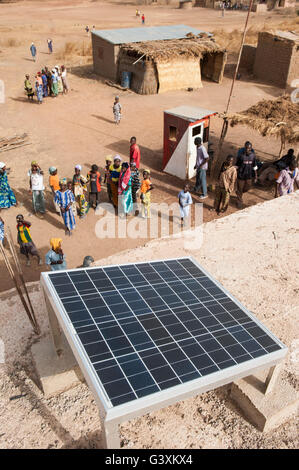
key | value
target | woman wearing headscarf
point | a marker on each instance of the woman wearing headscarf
(7, 197)
(115, 169)
(125, 189)
(64, 198)
(55, 258)
(80, 191)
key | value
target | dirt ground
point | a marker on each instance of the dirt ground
(259, 274)
(79, 128)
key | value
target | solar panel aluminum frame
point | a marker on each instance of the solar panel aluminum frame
(112, 416)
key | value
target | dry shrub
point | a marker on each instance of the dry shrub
(72, 49)
(10, 42)
(231, 40)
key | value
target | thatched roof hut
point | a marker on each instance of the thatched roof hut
(278, 118)
(158, 66)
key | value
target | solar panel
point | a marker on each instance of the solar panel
(149, 327)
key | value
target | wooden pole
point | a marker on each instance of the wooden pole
(225, 122)
(12, 275)
(19, 269)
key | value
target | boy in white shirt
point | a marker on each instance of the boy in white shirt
(36, 183)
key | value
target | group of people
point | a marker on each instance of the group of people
(72, 198)
(126, 187)
(47, 83)
(240, 176)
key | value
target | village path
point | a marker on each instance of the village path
(79, 128)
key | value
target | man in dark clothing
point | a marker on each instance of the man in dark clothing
(285, 161)
(246, 168)
(49, 81)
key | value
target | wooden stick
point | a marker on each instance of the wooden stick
(12, 275)
(14, 147)
(19, 269)
(216, 161)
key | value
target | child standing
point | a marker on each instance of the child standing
(145, 196)
(143, 18)
(94, 179)
(65, 198)
(54, 185)
(117, 110)
(185, 200)
(73, 205)
(107, 176)
(25, 241)
(80, 191)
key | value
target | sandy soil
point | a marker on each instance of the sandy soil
(78, 128)
(249, 253)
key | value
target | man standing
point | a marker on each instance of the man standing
(36, 183)
(246, 169)
(25, 241)
(201, 167)
(134, 152)
(33, 51)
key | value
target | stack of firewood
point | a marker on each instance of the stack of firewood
(10, 143)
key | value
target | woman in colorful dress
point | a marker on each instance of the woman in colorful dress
(115, 169)
(125, 189)
(80, 191)
(64, 198)
(7, 197)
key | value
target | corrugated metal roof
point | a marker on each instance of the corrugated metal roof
(287, 35)
(146, 33)
(190, 112)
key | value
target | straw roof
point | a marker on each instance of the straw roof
(278, 118)
(191, 46)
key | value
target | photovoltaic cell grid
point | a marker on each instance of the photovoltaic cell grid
(150, 326)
